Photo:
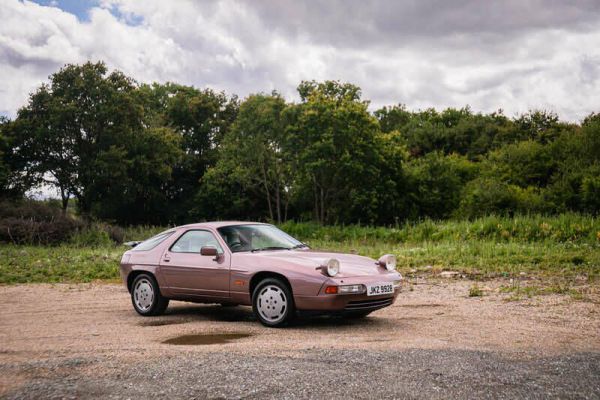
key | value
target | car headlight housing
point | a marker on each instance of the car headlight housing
(352, 289)
(388, 261)
(332, 266)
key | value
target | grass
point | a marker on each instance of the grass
(28, 264)
(564, 248)
(483, 258)
(475, 291)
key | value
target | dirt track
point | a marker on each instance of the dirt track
(86, 340)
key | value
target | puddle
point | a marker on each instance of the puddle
(163, 322)
(378, 340)
(421, 305)
(203, 339)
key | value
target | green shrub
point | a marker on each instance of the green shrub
(590, 193)
(98, 235)
(484, 196)
(91, 237)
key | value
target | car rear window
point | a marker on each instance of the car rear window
(153, 241)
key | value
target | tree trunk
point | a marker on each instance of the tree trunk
(322, 206)
(278, 203)
(316, 193)
(287, 202)
(267, 191)
(64, 196)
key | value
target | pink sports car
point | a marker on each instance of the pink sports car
(255, 264)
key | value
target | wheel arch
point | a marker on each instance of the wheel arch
(135, 273)
(259, 276)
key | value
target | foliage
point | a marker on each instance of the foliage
(200, 119)
(5, 169)
(436, 182)
(72, 127)
(98, 235)
(564, 247)
(129, 153)
(475, 291)
(256, 158)
(571, 229)
(28, 264)
(333, 140)
(31, 222)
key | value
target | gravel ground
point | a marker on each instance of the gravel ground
(85, 341)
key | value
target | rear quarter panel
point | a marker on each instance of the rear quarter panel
(148, 261)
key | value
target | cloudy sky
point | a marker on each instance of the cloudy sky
(514, 54)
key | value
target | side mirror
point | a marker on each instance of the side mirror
(209, 251)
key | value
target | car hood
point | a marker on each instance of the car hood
(350, 264)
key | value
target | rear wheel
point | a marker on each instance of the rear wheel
(146, 297)
(272, 302)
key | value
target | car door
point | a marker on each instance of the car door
(188, 272)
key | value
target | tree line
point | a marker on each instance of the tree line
(135, 153)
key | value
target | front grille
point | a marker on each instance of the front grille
(368, 304)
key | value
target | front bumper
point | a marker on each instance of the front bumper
(347, 302)
(344, 302)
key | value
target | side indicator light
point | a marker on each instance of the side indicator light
(331, 289)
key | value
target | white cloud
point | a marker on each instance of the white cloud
(423, 54)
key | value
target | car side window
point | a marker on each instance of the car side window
(193, 241)
(152, 242)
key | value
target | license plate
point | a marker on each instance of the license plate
(378, 289)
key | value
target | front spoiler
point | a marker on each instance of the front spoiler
(344, 302)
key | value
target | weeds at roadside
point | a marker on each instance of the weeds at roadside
(561, 287)
(475, 291)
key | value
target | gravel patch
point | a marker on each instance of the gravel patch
(415, 373)
(85, 341)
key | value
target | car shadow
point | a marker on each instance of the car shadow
(214, 312)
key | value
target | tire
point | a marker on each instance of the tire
(273, 303)
(146, 297)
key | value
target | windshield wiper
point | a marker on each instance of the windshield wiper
(270, 248)
(299, 246)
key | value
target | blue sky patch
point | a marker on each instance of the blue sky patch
(80, 8)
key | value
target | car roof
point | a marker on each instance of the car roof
(219, 224)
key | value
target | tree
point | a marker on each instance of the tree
(201, 118)
(133, 178)
(4, 155)
(68, 124)
(392, 186)
(527, 163)
(333, 137)
(253, 153)
(85, 134)
(393, 118)
(449, 131)
(540, 125)
(436, 182)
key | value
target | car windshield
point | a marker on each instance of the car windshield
(257, 238)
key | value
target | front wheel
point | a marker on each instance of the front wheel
(146, 297)
(272, 303)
